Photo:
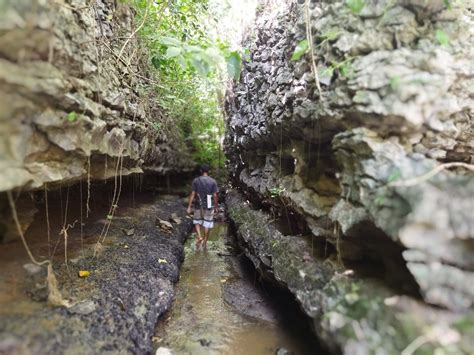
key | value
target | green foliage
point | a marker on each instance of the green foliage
(465, 325)
(344, 68)
(156, 126)
(355, 6)
(192, 68)
(395, 82)
(301, 49)
(395, 175)
(276, 191)
(331, 35)
(234, 65)
(72, 116)
(380, 199)
(442, 37)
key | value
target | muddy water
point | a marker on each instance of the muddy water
(202, 321)
(64, 209)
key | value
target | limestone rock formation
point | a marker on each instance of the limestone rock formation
(72, 103)
(360, 166)
(350, 314)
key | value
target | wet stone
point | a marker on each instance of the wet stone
(32, 269)
(83, 308)
(283, 351)
(163, 351)
(175, 219)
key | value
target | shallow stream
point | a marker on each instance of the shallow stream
(219, 308)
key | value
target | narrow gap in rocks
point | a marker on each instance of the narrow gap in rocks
(341, 136)
(379, 249)
(222, 305)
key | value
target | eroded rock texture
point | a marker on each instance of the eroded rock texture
(350, 167)
(70, 106)
(350, 314)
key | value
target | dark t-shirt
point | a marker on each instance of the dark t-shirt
(203, 186)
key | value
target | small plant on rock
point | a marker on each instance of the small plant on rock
(355, 6)
(276, 191)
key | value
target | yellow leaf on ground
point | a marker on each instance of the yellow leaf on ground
(223, 280)
(84, 273)
(162, 261)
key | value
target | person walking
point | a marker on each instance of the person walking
(204, 195)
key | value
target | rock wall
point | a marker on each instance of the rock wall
(70, 105)
(359, 167)
(350, 314)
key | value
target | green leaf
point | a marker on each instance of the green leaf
(234, 65)
(157, 61)
(213, 55)
(201, 66)
(345, 69)
(394, 176)
(194, 49)
(173, 52)
(182, 62)
(442, 37)
(379, 200)
(109, 217)
(327, 72)
(355, 6)
(300, 50)
(395, 82)
(72, 116)
(276, 191)
(170, 41)
(331, 35)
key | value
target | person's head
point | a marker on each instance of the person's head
(204, 169)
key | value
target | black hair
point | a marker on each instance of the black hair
(204, 168)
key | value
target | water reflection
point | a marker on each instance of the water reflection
(200, 321)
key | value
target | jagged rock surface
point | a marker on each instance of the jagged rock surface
(70, 107)
(349, 314)
(396, 103)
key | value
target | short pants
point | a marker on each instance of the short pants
(207, 221)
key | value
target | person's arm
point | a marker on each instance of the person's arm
(216, 202)
(191, 199)
(216, 199)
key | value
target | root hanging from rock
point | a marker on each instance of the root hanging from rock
(65, 235)
(114, 204)
(48, 225)
(55, 298)
(425, 177)
(88, 210)
(11, 201)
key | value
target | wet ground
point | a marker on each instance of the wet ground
(115, 309)
(219, 307)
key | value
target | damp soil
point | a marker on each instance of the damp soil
(220, 307)
(131, 281)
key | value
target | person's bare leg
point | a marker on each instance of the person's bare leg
(206, 237)
(199, 239)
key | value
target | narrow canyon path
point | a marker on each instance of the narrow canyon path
(220, 308)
